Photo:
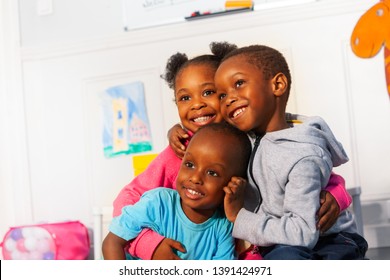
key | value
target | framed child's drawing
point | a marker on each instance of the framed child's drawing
(126, 127)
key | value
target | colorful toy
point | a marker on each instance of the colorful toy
(49, 241)
(371, 32)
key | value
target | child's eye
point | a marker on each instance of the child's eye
(208, 92)
(239, 83)
(189, 164)
(212, 173)
(184, 98)
(222, 96)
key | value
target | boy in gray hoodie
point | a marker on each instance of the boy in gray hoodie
(291, 163)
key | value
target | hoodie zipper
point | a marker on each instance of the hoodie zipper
(255, 147)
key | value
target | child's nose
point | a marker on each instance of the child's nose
(230, 99)
(198, 105)
(196, 178)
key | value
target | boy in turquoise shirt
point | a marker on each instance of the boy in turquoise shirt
(215, 162)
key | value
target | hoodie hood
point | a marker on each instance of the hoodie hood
(311, 130)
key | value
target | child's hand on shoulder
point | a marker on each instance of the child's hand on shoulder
(234, 197)
(166, 250)
(176, 137)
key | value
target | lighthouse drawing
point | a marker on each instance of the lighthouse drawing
(126, 128)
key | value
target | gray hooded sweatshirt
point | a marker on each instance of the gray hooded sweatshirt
(287, 172)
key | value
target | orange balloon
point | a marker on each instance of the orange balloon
(372, 30)
(387, 68)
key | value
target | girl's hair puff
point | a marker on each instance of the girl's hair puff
(179, 61)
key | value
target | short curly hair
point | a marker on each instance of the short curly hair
(269, 60)
(242, 146)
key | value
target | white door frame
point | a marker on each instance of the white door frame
(15, 187)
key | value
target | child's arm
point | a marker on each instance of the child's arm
(334, 199)
(336, 186)
(134, 221)
(113, 247)
(166, 249)
(176, 137)
(149, 245)
(288, 217)
(145, 244)
(161, 172)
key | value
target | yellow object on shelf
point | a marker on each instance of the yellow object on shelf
(238, 4)
(141, 162)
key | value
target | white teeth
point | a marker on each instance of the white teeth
(238, 111)
(202, 119)
(193, 192)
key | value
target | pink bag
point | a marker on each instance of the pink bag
(50, 241)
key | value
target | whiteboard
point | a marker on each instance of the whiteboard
(146, 13)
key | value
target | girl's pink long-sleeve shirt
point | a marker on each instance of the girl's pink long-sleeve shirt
(162, 172)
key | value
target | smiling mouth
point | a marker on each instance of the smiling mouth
(237, 112)
(193, 194)
(203, 119)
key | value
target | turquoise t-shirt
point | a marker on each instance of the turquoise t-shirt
(160, 210)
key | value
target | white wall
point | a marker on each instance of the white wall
(68, 57)
(70, 20)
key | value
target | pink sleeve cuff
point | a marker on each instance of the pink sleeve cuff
(336, 186)
(145, 244)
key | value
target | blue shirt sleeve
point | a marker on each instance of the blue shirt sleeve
(135, 217)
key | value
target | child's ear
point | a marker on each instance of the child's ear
(280, 84)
